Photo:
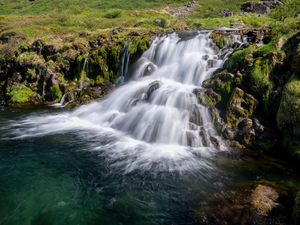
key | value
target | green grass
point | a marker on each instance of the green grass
(43, 18)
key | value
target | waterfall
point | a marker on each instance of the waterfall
(61, 102)
(154, 120)
(123, 65)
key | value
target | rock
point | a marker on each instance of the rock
(152, 87)
(211, 63)
(297, 15)
(195, 116)
(227, 13)
(210, 98)
(159, 22)
(255, 7)
(240, 106)
(149, 69)
(258, 126)
(263, 199)
(272, 3)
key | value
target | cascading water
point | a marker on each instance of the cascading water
(154, 121)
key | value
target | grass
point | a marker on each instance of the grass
(42, 18)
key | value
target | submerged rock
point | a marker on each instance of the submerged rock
(263, 199)
(257, 203)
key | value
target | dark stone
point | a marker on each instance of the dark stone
(255, 7)
(227, 13)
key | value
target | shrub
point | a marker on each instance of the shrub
(114, 13)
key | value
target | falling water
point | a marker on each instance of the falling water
(154, 121)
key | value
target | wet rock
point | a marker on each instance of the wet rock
(241, 105)
(255, 7)
(210, 98)
(263, 199)
(255, 203)
(149, 69)
(195, 116)
(258, 126)
(211, 63)
(215, 142)
(153, 86)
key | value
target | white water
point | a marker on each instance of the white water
(153, 121)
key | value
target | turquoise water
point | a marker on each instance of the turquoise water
(56, 180)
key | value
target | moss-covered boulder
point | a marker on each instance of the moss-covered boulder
(288, 115)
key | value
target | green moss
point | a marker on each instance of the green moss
(100, 80)
(114, 13)
(20, 94)
(31, 59)
(56, 93)
(260, 83)
(288, 115)
(265, 49)
(237, 59)
(138, 45)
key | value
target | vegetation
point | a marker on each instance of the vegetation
(20, 94)
(43, 18)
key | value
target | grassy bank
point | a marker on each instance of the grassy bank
(41, 18)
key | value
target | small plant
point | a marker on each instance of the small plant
(114, 13)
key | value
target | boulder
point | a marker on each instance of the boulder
(255, 7)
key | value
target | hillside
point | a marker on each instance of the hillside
(41, 18)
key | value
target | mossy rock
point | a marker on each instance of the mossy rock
(20, 94)
(260, 83)
(238, 60)
(56, 93)
(31, 59)
(288, 115)
(241, 105)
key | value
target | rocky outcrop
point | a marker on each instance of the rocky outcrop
(42, 72)
(253, 100)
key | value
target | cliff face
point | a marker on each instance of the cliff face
(82, 69)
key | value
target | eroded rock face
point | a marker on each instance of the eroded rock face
(241, 105)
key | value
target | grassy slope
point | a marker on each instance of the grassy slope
(71, 17)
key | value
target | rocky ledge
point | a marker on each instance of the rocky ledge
(62, 69)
